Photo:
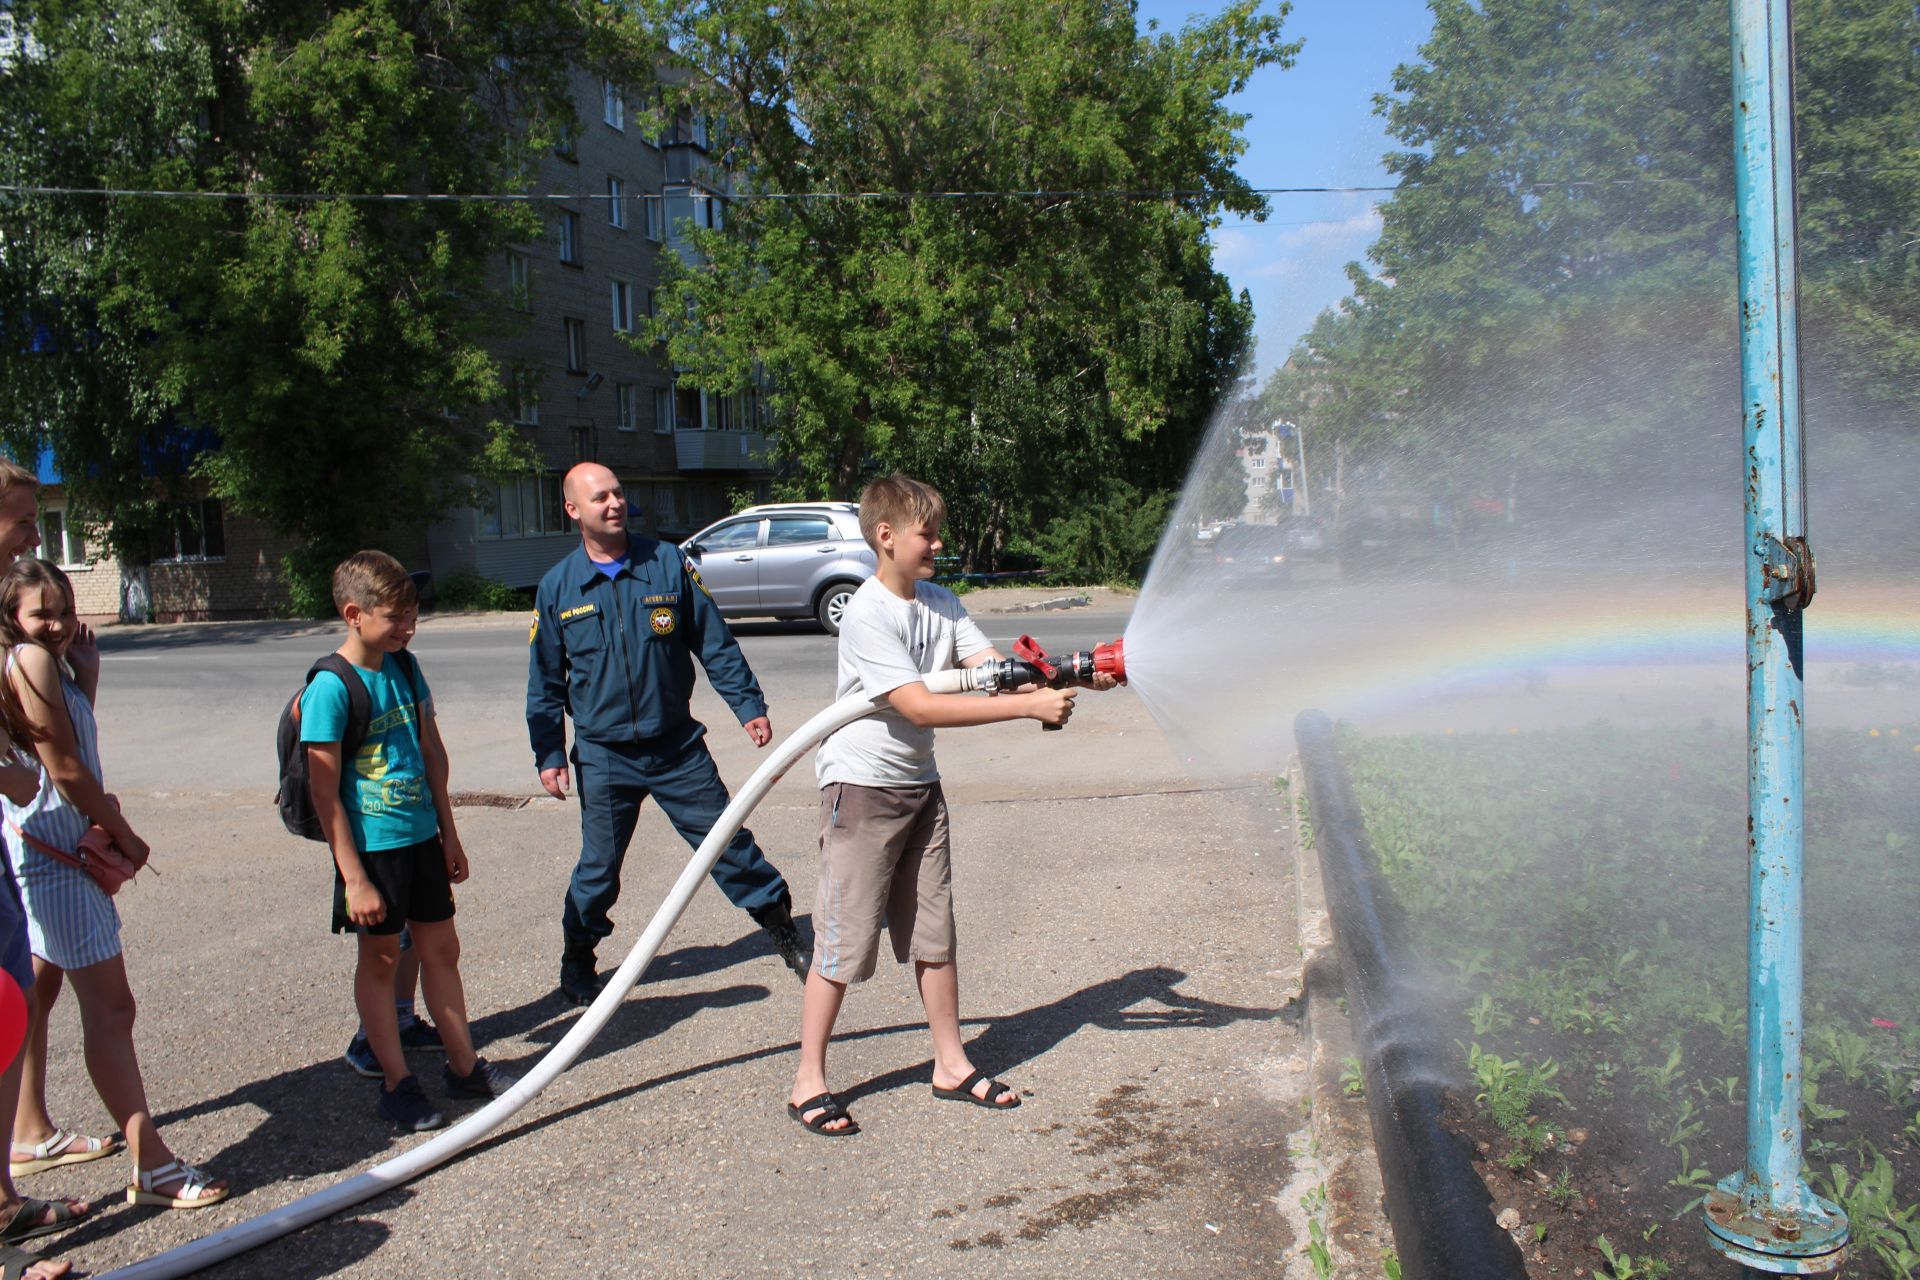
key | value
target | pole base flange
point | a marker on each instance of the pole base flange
(1809, 1238)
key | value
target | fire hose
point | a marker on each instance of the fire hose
(1035, 667)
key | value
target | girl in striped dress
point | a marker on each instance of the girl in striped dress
(53, 671)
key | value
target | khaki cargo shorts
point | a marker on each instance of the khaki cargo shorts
(883, 860)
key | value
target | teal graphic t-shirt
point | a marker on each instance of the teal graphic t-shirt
(384, 786)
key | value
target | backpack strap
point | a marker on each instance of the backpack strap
(410, 672)
(359, 703)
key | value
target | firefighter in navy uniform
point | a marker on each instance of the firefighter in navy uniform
(616, 626)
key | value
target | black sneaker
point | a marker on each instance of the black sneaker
(484, 1081)
(359, 1056)
(578, 982)
(406, 1106)
(421, 1036)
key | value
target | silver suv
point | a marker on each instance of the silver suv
(784, 560)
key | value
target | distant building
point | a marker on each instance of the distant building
(576, 384)
(1265, 457)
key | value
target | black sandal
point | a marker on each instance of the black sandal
(15, 1262)
(25, 1224)
(996, 1090)
(830, 1110)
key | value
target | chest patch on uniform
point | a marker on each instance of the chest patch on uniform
(666, 599)
(661, 620)
(578, 611)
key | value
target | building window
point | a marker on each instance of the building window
(570, 239)
(651, 312)
(576, 345)
(1258, 464)
(626, 399)
(656, 217)
(60, 541)
(523, 396)
(563, 141)
(663, 410)
(687, 414)
(528, 507)
(622, 297)
(613, 107)
(616, 201)
(519, 282)
(709, 211)
(192, 531)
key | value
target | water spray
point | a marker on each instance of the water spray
(987, 677)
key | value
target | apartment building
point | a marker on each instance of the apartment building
(577, 385)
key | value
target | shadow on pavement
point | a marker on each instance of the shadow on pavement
(147, 639)
(1109, 1005)
(320, 1118)
(1007, 1040)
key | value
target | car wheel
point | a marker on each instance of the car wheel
(832, 605)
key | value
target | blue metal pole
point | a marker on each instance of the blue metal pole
(1765, 1216)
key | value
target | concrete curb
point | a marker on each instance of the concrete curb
(1058, 602)
(1355, 1217)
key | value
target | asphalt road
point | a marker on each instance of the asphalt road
(1128, 963)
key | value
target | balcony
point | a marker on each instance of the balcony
(720, 450)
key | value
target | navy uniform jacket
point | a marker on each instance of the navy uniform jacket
(617, 654)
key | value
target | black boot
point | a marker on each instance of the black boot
(578, 982)
(777, 920)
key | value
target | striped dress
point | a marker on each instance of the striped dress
(71, 922)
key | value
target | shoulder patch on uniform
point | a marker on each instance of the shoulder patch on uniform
(695, 575)
(578, 611)
(533, 631)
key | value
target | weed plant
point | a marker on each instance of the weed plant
(1585, 892)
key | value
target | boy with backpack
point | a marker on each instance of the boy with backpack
(384, 811)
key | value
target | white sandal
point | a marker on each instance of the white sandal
(196, 1189)
(60, 1150)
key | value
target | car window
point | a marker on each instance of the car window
(731, 537)
(785, 531)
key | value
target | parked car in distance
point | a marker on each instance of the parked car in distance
(1252, 553)
(784, 560)
(1305, 537)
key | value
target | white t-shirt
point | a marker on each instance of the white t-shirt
(887, 642)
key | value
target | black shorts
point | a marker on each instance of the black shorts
(412, 881)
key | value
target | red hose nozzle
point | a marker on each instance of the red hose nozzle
(1073, 668)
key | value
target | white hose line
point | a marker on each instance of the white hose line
(271, 1225)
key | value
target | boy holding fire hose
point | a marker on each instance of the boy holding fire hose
(884, 854)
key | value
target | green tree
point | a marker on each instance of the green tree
(315, 360)
(1019, 352)
(1552, 292)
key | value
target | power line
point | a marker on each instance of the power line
(1118, 193)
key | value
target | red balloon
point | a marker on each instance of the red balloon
(13, 1018)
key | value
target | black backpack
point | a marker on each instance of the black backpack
(296, 794)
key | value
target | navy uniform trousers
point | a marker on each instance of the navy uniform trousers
(613, 780)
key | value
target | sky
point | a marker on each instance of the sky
(1312, 125)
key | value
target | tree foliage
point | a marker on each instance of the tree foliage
(316, 361)
(1552, 292)
(1018, 352)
